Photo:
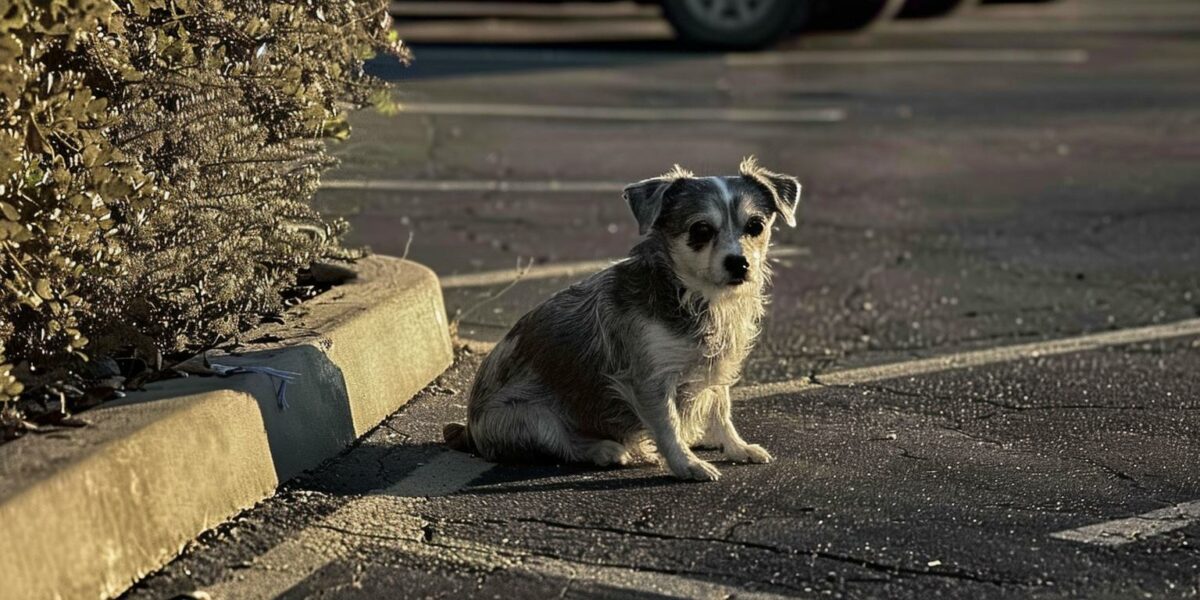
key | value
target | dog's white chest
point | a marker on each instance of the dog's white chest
(694, 364)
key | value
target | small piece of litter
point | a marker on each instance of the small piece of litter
(284, 377)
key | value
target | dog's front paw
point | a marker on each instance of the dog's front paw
(751, 453)
(696, 470)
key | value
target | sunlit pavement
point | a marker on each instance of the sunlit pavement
(1020, 175)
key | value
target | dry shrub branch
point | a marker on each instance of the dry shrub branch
(156, 162)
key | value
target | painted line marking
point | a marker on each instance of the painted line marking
(882, 56)
(1043, 25)
(976, 358)
(444, 475)
(510, 10)
(1125, 531)
(480, 185)
(627, 113)
(565, 58)
(950, 362)
(571, 269)
(891, 57)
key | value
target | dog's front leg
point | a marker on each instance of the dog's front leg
(722, 431)
(657, 410)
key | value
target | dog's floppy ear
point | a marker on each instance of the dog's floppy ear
(645, 197)
(784, 189)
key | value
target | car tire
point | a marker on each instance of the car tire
(754, 24)
(847, 15)
(926, 9)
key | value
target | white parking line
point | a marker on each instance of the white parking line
(585, 58)
(914, 56)
(627, 113)
(1124, 531)
(571, 269)
(441, 476)
(519, 10)
(478, 185)
(977, 358)
(1042, 25)
(550, 56)
(949, 362)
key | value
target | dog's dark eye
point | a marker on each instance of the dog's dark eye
(754, 228)
(700, 233)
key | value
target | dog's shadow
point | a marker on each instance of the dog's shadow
(516, 478)
(513, 478)
(369, 468)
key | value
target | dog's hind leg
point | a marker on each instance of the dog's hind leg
(519, 423)
(602, 453)
(556, 438)
(721, 432)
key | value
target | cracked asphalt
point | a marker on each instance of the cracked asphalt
(962, 204)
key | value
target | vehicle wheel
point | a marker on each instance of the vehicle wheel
(845, 15)
(743, 24)
(924, 9)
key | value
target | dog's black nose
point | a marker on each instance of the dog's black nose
(738, 267)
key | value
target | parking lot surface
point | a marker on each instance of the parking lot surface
(1014, 176)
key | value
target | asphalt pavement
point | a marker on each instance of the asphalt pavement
(978, 374)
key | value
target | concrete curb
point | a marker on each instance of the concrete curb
(93, 511)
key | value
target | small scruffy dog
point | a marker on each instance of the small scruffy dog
(645, 350)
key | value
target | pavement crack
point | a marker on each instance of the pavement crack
(1051, 407)
(996, 403)
(887, 568)
(521, 556)
(1034, 509)
(404, 437)
(893, 569)
(971, 436)
(1123, 476)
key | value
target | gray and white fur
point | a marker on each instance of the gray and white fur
(644, 351)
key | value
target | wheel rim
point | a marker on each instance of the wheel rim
(729, 14)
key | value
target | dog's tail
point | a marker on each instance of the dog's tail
(457, 437)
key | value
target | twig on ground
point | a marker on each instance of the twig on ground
(460, 314)
(407, 245)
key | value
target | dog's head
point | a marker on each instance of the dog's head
(717, 229)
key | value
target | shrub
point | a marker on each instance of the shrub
(156, 162)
